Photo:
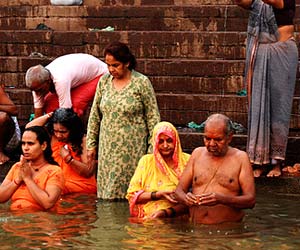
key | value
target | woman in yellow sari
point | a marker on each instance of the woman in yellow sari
(151, 189)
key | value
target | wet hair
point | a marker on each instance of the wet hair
(38, 74)
(43, 136)
(121, 53)
(69, 119)
(228, 128)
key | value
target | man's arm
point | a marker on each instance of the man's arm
(185, 182)
(246, 180)
(6, 104)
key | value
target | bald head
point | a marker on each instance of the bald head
(220, 119)
(37, 74)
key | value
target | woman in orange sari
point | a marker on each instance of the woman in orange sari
(68, 144)
(35, 182)
(151, 190)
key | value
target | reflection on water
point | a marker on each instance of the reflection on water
(82, 223)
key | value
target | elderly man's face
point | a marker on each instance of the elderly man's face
(215, 139)
(41, 88)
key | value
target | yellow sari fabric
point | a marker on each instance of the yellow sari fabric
(153, 174)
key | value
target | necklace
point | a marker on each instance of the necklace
(213, 176)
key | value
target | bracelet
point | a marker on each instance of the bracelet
(153, 196)
(18, 184)
(173, 212)
(165, 213)
(65, 158)
(71, 158)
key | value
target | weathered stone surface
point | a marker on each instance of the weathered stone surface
(192, 50)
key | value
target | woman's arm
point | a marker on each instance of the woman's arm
(8, 188)
(152, 115)
(40, 121)
(45, 198)
(80, 166)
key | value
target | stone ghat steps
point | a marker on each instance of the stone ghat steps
(180, 109)
(164, 17)
(122, 2)
(191, 140)
(144, 44)
(123, 17)
(174, 75)
(119, 2)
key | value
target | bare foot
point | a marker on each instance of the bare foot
(3, 158)
(257, 172)
(289, 169)
(275, 172)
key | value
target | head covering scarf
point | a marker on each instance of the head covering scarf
(154, 174)
(168, 129)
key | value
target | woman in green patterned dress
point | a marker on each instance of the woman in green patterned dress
(122, 118)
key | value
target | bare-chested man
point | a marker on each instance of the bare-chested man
(221, 177)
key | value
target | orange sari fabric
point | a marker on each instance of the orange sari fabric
(74, 183)
(22, 199)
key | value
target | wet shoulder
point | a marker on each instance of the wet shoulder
(197, 152)
(237, 153)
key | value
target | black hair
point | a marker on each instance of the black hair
(122, 53)
(43, 136)
(68, 118)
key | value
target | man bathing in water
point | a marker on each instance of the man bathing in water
(220, 176)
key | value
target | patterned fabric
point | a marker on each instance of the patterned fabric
(22, 199)
(153, 174)
(120, 124)
(270, 76)
(74, 183)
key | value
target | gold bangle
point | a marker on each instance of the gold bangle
(153, 196)
(165, 213)
(70, 160)
(173, 212)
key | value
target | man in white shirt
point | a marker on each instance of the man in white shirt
(68, 81)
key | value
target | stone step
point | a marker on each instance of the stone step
(147, 44)
(191, 140)
(118, 2)
(183, 108)
(144, 44)
(180, 109)
(170, 84)
(206, 17)
(122, 2)
(164, 17)
(151, 67)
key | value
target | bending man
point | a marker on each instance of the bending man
(69, 81)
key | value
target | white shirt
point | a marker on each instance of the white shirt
(70, 71)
